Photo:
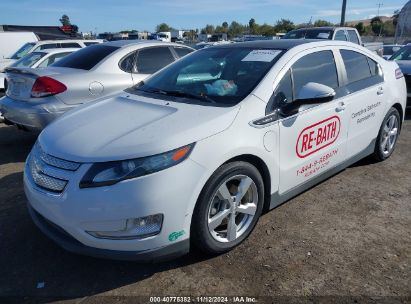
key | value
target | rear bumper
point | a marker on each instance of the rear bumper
(32, 115)
(65, 240)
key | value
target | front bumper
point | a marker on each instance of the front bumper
(65, 240)
(32, 115)
(171, 192)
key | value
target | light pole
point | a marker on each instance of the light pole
(344, 7)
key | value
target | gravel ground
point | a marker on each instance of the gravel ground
(350, 236)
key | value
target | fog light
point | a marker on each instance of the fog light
(136, 228)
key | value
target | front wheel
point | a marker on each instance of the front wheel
(388, 135)
(228, 208)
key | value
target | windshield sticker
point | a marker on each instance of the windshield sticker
(323, 35)
(262, 55)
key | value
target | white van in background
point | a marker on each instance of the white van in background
(12, 41)
(164, 36)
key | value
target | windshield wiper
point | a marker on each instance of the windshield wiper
(202, 97)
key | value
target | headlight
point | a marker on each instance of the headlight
(109, 173)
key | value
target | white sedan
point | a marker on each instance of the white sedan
(192, 156)
(42, 59)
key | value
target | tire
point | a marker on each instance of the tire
(387, 140)
(242, 181)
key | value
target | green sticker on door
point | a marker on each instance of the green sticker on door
(175, 235)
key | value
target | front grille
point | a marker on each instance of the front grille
(48, 172)
(408, 82)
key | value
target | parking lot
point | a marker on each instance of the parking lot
(348, 236)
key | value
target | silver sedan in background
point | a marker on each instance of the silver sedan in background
(35, 97)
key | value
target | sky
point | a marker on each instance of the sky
(115, 15)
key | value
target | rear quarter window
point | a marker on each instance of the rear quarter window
(352, 35)
(181, 52)
(86, 58)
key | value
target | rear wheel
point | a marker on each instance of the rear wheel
(388, 135)
(228, 208)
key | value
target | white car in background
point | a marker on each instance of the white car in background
(30, 47)
(41, 59)
(194, 154)
(35, 97)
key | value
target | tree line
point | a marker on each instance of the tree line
(234, 29)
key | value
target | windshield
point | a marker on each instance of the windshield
(403, 54)
(28, 60)
(21, 52)
(309, 34)
(220, 76)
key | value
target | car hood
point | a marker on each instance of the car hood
(405, 66)
(5, 63)
(131, 126)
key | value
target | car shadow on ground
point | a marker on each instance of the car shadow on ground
(29, 258)
(13, 140)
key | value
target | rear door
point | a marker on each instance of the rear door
(314, 140)
(365, 85)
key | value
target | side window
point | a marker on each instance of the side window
(70, 45)
(356, 65)
(352, 35)
(150, 60)
(340, 35)
(362, 71)
(90, 43)
(317, 67)
(52, 59)
(375, 68)
(181, 52)
(48, 46)
(127, 64)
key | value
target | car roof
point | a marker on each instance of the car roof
(59, 50)
(282, 44)
(65, 40)
(124, 43)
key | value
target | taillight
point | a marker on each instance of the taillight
(398, 74)
(46, 86)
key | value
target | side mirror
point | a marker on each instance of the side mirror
(310, 94)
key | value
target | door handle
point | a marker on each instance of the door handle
(340, 108)
(380, 91)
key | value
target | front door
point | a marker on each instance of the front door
(315, 139)
(365, 100)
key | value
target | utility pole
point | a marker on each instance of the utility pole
(343, 9)
(378, 15)
(379, 6)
